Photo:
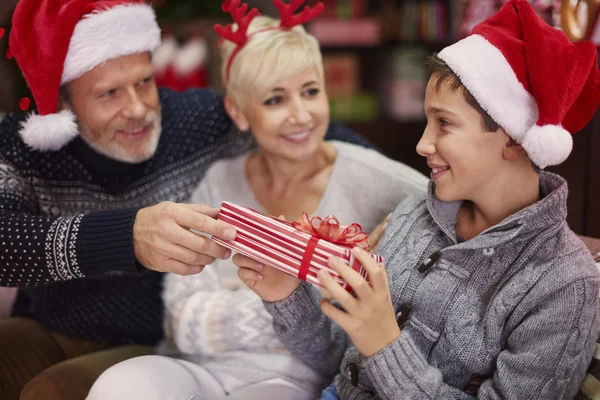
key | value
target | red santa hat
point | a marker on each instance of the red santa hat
(57, 41)
(530, 78)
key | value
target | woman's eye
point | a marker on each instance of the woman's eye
(313, 92)
(273, 100)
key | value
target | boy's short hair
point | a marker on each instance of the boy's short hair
(268, 56)
(444, 73)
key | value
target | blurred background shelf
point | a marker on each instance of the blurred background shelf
(374, 53)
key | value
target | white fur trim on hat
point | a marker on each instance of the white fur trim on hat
(488, 76)
(49, 132)
(547, 145)
(104, 35)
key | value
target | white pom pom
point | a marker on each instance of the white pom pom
(49, 132)
(547, 145)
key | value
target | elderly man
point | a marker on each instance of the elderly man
(89, 192)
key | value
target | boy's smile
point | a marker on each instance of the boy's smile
(437, 170)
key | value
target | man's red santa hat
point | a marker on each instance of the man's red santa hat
(530, 78)
(57, 41)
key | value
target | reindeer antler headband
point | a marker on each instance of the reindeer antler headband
(240, 37)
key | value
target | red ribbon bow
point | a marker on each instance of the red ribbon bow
(331, 230)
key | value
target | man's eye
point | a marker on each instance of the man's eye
(108, 93)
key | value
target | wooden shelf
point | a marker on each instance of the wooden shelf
(387, 46)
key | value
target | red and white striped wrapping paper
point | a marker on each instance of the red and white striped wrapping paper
(277, 243)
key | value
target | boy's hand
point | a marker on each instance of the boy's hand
(369, 319)
(267, 282)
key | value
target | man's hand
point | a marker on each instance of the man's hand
(369, 319)
(163, 242)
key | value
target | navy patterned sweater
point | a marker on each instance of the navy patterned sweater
(66, 219)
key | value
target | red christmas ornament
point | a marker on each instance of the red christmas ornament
(24, 103)
(2, 31)
(9, 54)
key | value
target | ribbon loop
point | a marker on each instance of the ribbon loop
(330, 229)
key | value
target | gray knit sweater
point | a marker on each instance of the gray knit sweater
(515, 307)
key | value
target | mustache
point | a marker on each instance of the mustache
(150, 118)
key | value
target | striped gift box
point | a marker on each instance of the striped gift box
(277, 243)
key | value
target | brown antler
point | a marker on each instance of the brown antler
(238, 13)
(286, 12)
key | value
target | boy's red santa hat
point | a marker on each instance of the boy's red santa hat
(530, 78)
(57, 41)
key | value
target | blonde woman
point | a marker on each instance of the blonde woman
(219, 331)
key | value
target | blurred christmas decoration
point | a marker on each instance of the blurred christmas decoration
(476, 11)
(579, 19)
(181, 67)
(182, 10)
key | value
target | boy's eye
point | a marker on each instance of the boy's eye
(313, 92)
(273, 100)
(444, 122)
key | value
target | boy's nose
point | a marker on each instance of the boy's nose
(425, 147)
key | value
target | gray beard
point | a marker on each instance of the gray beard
(116, 152)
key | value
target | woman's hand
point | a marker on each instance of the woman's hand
(377, 233)
(369, 319)
(267, 282)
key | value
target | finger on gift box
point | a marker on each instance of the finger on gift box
(340, 294)
(248, 276)
(324, 293)
(376, 275)
(242, 261)
(202, 218)
(359, 284)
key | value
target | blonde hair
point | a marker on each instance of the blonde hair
(268, 57)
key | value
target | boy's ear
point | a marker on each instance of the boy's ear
(236, 115)
(62, 104)
(512, 150)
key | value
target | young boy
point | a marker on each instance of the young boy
(488, 293)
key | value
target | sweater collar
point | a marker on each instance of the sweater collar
(550, 210)
(101, 164)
